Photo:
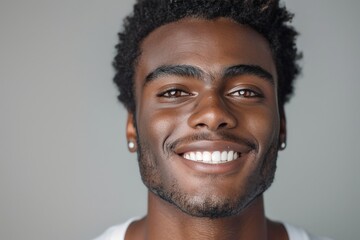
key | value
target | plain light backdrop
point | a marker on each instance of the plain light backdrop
(65, 172)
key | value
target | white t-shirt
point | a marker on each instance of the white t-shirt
(118, 232)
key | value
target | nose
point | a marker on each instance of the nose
(212, 113)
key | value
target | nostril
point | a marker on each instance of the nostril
(201, 125)
(222, 125)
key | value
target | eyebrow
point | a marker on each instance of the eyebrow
(175, 70)
(244, 69)
(197, 73)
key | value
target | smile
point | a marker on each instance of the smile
(211, 157)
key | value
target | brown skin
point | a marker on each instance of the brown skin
(210, 111)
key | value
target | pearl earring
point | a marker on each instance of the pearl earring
(282, 145)
(131, 145)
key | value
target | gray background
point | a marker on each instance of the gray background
(65, 172)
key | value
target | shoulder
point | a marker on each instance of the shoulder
(296, 233)
(116, 232)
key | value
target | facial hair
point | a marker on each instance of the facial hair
(210, 206)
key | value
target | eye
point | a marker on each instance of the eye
(174, 93)
(246, 93)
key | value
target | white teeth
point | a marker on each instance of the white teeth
(230, 155)
(206, 156)
(198, 157)
(215, 157)
(224, 156)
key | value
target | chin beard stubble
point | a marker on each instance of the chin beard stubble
(205, 206)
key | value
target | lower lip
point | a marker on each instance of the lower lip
(221, 168)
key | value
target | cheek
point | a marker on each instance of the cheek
(264, 125)
(155, 126)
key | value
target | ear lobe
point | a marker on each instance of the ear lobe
(131, 133)
(282, 134)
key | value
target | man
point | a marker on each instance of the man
(205, 83)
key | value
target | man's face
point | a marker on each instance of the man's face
(207, 115)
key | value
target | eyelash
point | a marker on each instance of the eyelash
(177, 93)
(173, 93)
(246, 93)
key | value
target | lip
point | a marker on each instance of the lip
(215, 169)
(226, 168)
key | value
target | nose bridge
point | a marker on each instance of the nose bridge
(211, 111)
(212, 100)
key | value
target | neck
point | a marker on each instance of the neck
(165, 221)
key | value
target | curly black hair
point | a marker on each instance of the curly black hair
(268, 17)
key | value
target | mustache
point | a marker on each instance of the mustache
(205, 136)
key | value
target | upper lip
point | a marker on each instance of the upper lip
(212, 146)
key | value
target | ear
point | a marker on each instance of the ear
(282, 134)
(131, 133)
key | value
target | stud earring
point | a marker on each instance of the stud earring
(282, 145)
(131, 145)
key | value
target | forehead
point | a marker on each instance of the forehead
(210, 45)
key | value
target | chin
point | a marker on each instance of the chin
(210, 205)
